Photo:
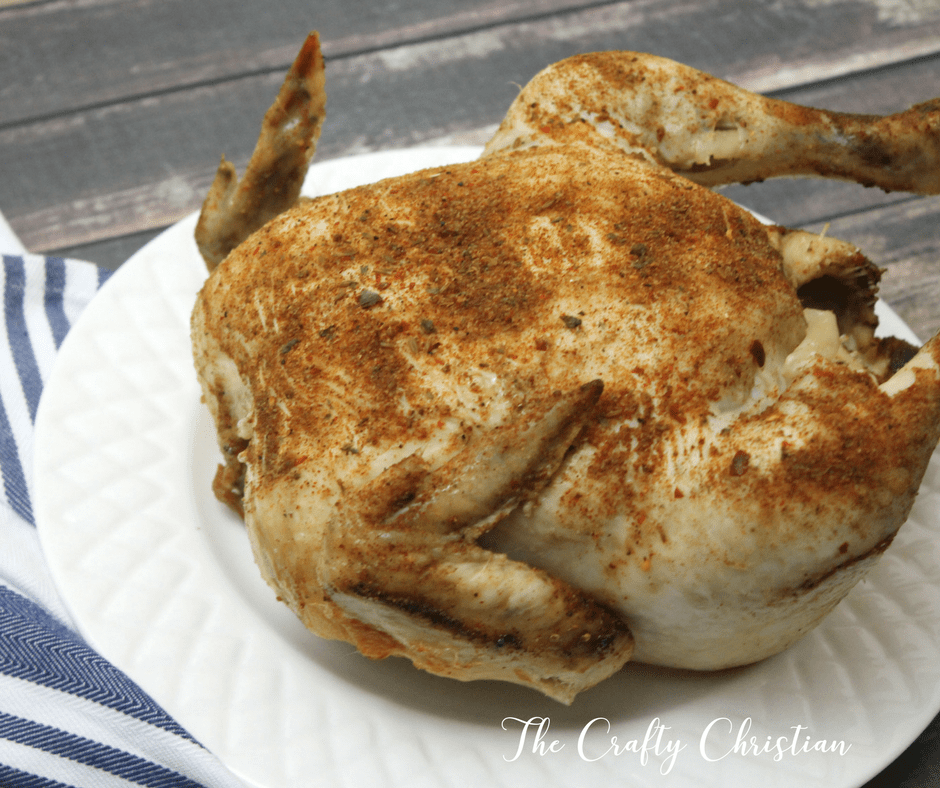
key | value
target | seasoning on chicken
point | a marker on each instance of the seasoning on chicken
(527, 417)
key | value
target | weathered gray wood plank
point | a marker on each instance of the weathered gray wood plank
(61, 56)
(139, 165)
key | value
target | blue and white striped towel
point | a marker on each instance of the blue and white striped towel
(67, 717)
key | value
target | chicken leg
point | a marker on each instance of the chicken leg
(713, 132)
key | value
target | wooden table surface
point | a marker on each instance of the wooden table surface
(114, 113)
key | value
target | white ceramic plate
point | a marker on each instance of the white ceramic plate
(160, 579)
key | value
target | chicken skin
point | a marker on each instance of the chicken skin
(532, 416)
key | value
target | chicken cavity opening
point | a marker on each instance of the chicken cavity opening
(850, 299)
(840, 327)
(841, 322)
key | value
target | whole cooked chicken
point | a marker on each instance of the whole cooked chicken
(530, 417)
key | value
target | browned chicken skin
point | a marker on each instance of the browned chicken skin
(527, 417)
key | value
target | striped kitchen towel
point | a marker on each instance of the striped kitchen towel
(67, 716)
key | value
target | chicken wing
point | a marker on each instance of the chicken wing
(233, 208)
